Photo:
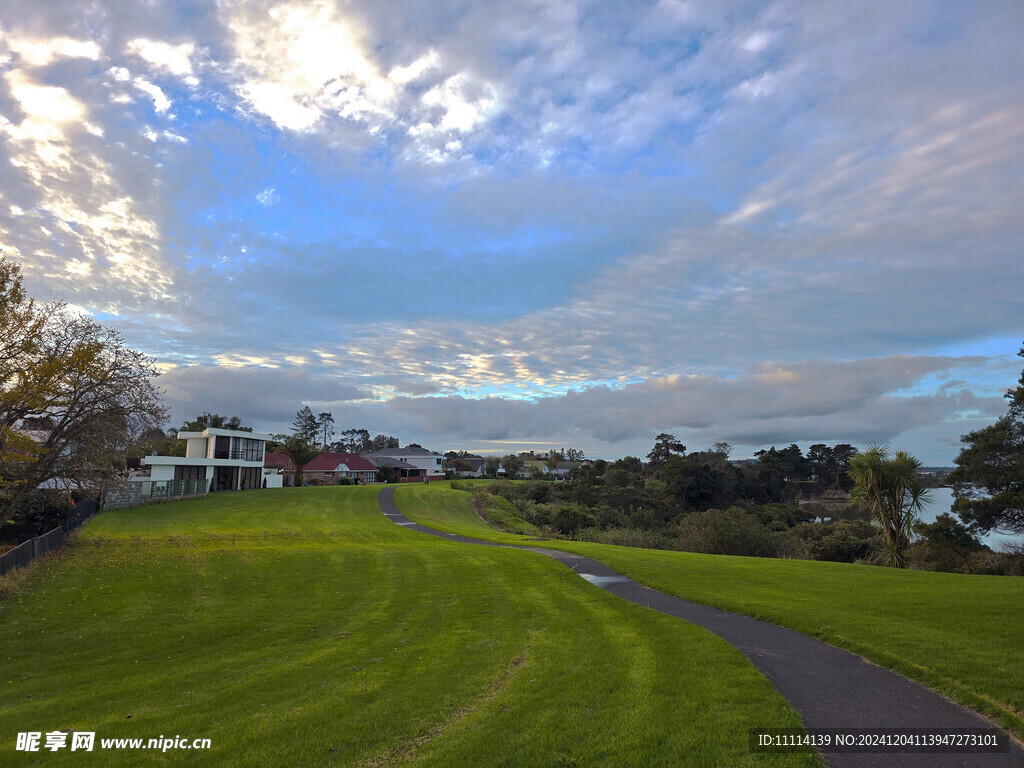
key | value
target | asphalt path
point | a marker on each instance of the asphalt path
(832, 689)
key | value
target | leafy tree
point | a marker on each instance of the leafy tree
(831, 464)
(573, 454)
(631, 464)
(793, 462)
(664, 446)
(382, 442)
(988, 482)
(888, 484)
(214, 421)
(511, 464)
(305, 424)
(842, 542)
(732, 531)
(948, 543)
(553, 458)
(491, 464)
(358, 441)
(325, 427)
(387, 474)
(88, 398)
(768, 479)
(721, 448)
(301, 451)
(697, 485)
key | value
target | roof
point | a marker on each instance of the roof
(387, 461)
(271, 459)
(328, 462)
(218, 432)
(407, 451)
(472, 462)
(570, 465)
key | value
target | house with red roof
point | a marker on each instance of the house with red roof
(325, 469)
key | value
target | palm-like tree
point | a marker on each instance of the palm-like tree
(889, 485)
(301, 452)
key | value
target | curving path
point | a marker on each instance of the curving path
(829, 687)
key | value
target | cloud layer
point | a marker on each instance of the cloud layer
(547, 221)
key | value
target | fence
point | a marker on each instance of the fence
(135, 493)
(23, 554)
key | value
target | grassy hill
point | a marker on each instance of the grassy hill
(959, 634)
(300, 627)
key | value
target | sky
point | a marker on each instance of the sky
(531, 225)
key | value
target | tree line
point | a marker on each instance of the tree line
(702, 502)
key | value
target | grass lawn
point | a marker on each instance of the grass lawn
(959, 634)
(299, 627)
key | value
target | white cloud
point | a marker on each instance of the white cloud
(160, 101)
(175, 59)
(48, 108)
(268, 197)
(302, 61)
(464, 103)
(412, 72)
(40, 52)
(85, 216)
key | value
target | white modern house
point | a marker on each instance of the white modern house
(227, 459)
(424, 463)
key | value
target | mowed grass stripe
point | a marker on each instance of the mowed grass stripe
(300, 627)
(959, 634)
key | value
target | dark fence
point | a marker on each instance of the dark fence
(79, 513)
(19, 557)
(36, 547)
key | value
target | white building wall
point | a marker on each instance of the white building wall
(161, 472)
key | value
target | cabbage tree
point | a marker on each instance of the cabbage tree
(889, 485)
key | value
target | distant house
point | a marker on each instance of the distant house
(533, 467)
(416, 463)
(226, 459)
(466, 467)
(565, 468)
(403, 469)
(329, 468)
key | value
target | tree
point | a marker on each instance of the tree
(511, 464)
(305, 424)
(491, 464)
(381, 443)
(948, 543)
(553, 458)
(74, 400)
(664, 446)
(573, 454)
(830, 464)
(325, 427)
(214, 421)
(358, 441)
(301, 451)
(792, 459)
(889, 485)
(988, 482)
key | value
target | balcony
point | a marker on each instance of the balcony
(250, 455)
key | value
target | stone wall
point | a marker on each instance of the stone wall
(130, 495)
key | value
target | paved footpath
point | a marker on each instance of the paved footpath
(829, 687)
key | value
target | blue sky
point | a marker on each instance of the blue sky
(497, 226)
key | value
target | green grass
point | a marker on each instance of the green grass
(301, 627)
(959, 634)
(457, 513)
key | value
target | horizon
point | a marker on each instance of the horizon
(502, 227)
